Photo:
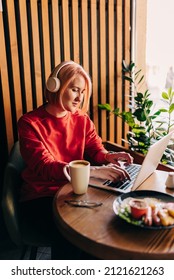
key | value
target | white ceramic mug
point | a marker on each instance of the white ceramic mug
(78, 173)
(170, 180)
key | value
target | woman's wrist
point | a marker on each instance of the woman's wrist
(107, 154)
(92, 170)
(105, 157)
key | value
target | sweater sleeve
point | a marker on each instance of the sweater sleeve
(94, 147)
(36, 155)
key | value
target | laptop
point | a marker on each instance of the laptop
(138, 173)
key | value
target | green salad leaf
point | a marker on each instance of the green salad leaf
(125, 215)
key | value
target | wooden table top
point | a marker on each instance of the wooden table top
(99, 232)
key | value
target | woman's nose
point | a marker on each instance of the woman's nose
(79, 96)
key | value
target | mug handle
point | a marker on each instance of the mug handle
(66, 172)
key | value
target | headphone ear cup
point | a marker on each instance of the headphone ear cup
(53, 84)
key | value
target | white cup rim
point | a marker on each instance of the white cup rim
(86, 163)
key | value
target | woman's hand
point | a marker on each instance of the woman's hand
(116, 158)
(109, 172)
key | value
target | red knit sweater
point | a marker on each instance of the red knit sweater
(47, 143)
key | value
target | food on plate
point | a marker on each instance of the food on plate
(138, 208)
(171, 212)
(148, 217)
(155, 218)
(165, 217)
(170, 208)
(147, 211)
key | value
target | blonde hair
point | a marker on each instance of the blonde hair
(67, 74)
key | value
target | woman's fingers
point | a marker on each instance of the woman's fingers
(110, 172)
(119, 157)
(122, 173)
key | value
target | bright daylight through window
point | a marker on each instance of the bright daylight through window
(153, 94)
(159, 47)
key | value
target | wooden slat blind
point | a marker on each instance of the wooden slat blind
(46, 37)
(25, 55)
(66, 30)
(15, 79)
(102, 62)
(85, 35)
(35, 55)
(56, 32)
(127, 54)
(5, 89)
(75, 30)
(36, 35)
(119, 56)
(94, 62)
(111, 67)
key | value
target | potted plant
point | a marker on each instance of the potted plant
(146, 124)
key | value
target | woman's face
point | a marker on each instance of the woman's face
(73, 95)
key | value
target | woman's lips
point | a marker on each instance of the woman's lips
(75, 104)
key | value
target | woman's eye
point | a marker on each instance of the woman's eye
(75, 89)
(78, 90)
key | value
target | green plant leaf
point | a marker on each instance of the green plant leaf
(169, 92)
(147, 112)
(146, 94)
(160, 122)
(157, 113)
(140, 95)
(131, 66)
(162, 110)
(153, 117)
(171, 125)
(171, 108)
(128, 79)
(149, 103)
(140, 115)
(139, 98)
(141, 79)
(125, 66)
(106, 107)
(165, 95)
(128, 118)
(138, 130)
(116, 111)
(137, 73)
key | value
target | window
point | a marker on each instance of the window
(155, 44)
(160, 46)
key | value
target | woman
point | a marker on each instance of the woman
(58, 132)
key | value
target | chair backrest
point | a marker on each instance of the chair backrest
(11, 185)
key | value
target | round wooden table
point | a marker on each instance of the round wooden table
(101, 233)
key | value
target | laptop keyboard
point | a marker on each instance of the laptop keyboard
(133, 170)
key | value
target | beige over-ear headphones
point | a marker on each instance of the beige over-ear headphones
(53, 82)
